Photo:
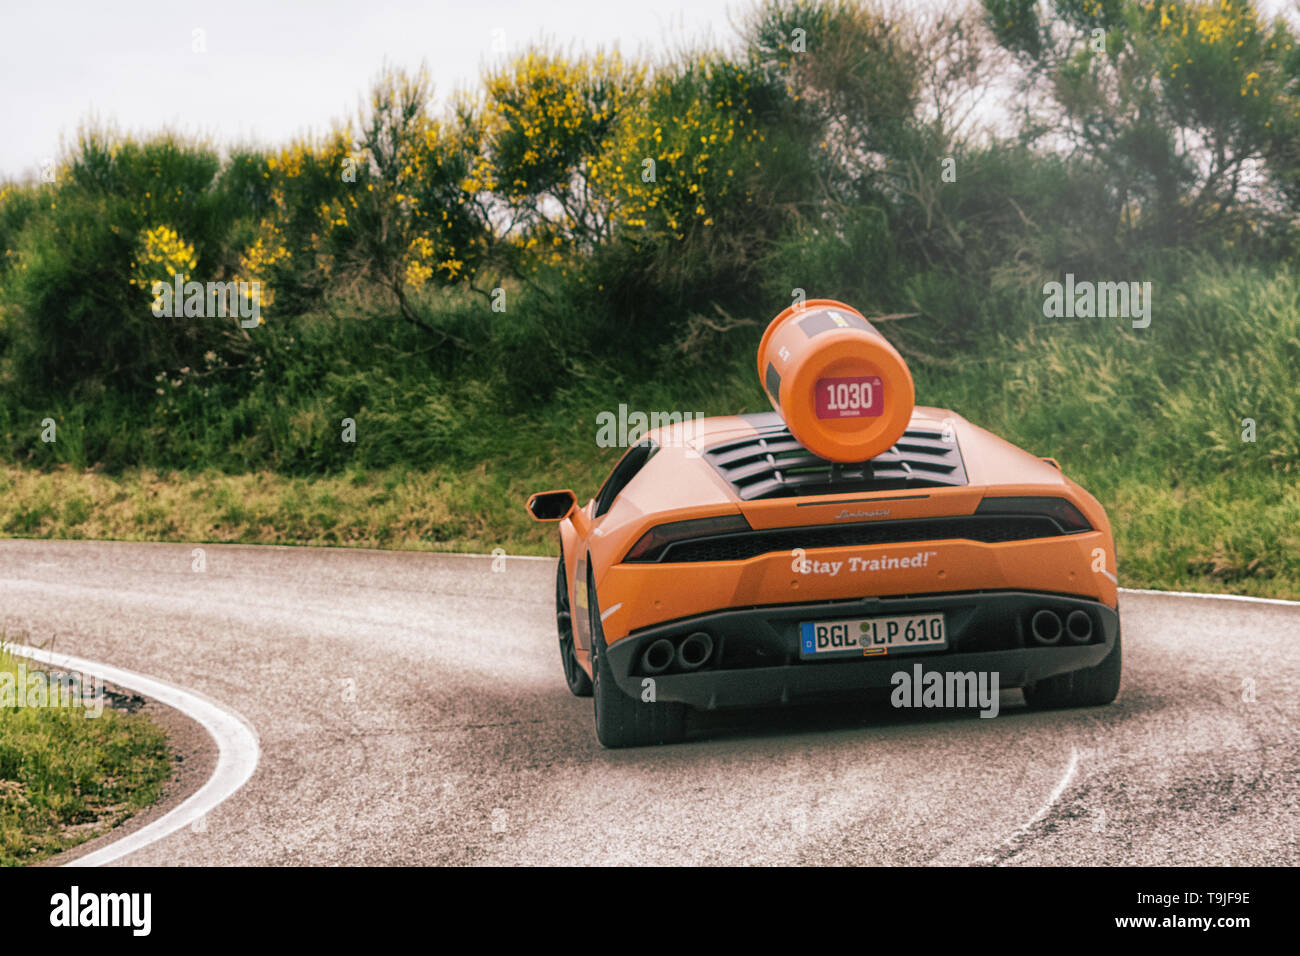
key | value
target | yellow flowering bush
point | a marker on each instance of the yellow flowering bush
(546, 119)
(162, 255)
(260, 263)
(1224, 65)
(683, 159)
(303, 196)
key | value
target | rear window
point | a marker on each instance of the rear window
(623, 472)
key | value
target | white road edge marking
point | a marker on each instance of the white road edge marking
(237, 749)
(1061, 786)
(1221, 597)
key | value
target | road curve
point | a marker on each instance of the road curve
(410, 710)
(236, 757)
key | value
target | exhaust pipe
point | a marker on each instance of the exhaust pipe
(1045, 625)
(694, 651)
(657, 657)
(1079, 626)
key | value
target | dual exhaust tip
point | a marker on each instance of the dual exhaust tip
(1047, 627)
(692, 654)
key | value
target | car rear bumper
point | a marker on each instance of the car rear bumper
(755, 659)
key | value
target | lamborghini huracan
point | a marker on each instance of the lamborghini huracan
(723, 564)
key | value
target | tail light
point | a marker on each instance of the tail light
(652, 544)
(1059, 510)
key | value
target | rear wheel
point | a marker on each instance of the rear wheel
(621, 720)
(577, 679)
(1090, 687)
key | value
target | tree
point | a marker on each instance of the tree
(1189, 106)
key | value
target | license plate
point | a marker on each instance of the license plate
(862, 396)
(872, 636)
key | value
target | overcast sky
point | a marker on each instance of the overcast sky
(276, 68)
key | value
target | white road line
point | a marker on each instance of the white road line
(1024, 828)
(438, 554)
(1219, 597)
(237, 749)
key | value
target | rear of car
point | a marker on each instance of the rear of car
(733, 568)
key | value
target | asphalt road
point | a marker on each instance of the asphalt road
(411, 710)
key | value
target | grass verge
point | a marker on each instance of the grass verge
(66, 775)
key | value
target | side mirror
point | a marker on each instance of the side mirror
(551, 505)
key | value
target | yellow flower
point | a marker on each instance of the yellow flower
(164, 255)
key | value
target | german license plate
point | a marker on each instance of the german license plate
(871, 636)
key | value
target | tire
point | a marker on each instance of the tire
(577, 679)
(621, 720)
(1090, 687)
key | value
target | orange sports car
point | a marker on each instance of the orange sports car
(723, 564)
